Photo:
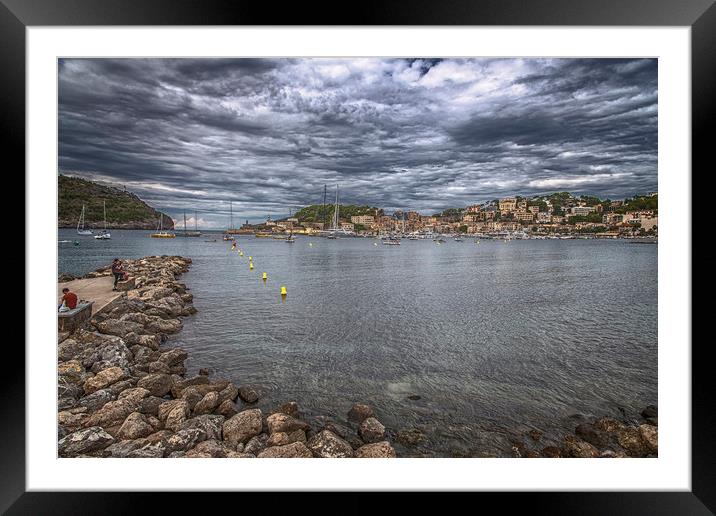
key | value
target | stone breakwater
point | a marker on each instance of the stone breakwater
(124, 392)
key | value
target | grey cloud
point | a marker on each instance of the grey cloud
(421, 134)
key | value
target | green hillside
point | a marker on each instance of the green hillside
(124, 209)
(316, 212)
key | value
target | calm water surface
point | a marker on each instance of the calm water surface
(496, 338)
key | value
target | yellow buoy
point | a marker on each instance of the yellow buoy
(283, 291)
(251, 265)
(250, 258)
(264, 276)
(241, 253)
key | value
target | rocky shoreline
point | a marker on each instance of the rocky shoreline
(605, 437)
(123, 390)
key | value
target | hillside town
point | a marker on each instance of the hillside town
(546, 216)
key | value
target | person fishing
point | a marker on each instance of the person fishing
(118, 271)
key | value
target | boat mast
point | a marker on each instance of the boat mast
(104, 208)
(184, 223)
(323, 212)
(231, 211)
(335, 212)
(194, 221)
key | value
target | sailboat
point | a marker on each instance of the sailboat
(104, 234)
(334, 231)
(160, 229)
(186, 233)
(230, 230)
(81, 224)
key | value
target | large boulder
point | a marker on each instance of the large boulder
(134, 427)
(184, 440)
(118, 328)
(256, 444)
(650, 437)
(248, 393)
(371, 430)
(104, 379)
(227, 409)
(280, 422)
(326, 444)
(207, 404)
(210, 424)
(164, 325)
(289, 451)
(210, 448)
(630, 438)
(158, 384)
(229, 393)
(111, 414)
(592, 435)
(360, 412)
(173, 413)
(96, 400)
(575, 447)
(84, 441)
(243, 426)
(380, 450)
(290, 409)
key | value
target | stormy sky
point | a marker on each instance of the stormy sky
(420, 134)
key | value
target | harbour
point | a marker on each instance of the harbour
(466, 346)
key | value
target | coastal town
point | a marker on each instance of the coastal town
(557, 215)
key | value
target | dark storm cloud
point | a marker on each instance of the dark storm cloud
(425, 134)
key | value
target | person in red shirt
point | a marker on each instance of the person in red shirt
(69, 299)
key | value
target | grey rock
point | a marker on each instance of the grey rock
(371, 430)
(326, 444)
(84, 441)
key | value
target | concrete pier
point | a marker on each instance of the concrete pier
(99, 290)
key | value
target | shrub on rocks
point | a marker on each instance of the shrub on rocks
(371, 430)
(243, 426)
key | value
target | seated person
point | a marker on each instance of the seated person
(69, 300)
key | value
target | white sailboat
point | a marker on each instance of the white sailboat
(104, 234)
(81, 224)
(335, 230)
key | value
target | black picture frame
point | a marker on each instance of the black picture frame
(700, 15)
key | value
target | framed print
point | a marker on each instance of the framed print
(431, 240)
